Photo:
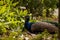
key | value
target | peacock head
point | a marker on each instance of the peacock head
(27, 18)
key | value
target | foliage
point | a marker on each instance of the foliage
(2, 28)
(11, 17)
(45, 36)
(38, 6)
(50, 3)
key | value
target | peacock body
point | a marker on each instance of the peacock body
(39, 26)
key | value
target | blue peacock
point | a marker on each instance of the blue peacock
(39, 26)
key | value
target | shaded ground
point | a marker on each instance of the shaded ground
(40, 36)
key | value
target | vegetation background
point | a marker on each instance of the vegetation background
(12, 14)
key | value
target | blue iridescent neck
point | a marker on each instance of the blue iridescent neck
(27, 18)
(26, 21)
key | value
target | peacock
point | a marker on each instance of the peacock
(39, 26)
(52, 22)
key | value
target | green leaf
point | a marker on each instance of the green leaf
(14, 4)
(7, 1)
(11, 13)
(1, 2)
(3, 9)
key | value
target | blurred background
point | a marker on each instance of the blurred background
(12, 13)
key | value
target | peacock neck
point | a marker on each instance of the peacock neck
(28, 25)
(26, 21)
